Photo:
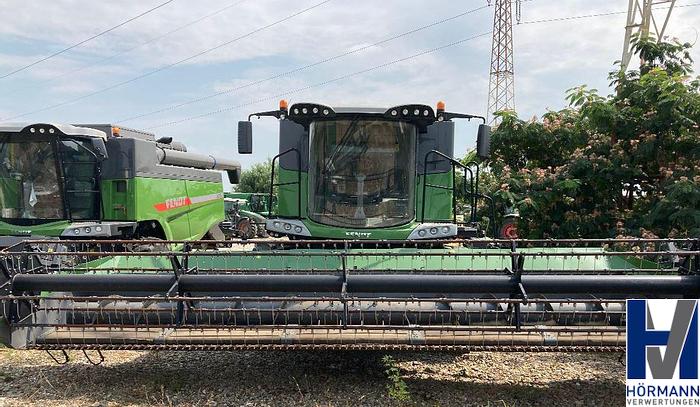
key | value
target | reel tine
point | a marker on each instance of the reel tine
(65, 360)
(92, 362)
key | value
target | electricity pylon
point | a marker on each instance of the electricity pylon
(642, 16)
(501, 78)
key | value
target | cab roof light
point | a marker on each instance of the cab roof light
(440, 106)
(283, 105)
(116, 131)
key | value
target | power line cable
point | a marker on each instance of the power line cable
(393, 62)
(173, 64)
(38, 61)
(335, 57)
(302, 68)
(323, 83)
(139, 45)
(611, 13)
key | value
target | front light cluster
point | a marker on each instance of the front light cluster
(416, 112)
(433, 231)
(287, 226)
(87, 230)
(307, 109)
(41, 130)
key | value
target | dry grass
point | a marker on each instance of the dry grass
(309, 378)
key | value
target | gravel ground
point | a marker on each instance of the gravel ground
(323, 378)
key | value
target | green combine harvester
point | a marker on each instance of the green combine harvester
(105, 182)
(373, 257)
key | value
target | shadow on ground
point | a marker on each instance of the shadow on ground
(311, 378)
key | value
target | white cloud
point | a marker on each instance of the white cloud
(549, 58)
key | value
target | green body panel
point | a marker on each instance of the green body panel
(163, 200)
(287, 201)
(438, 201)
(399, 232)
(457, 259)
(10, 193)
(49, 229)
(118, 199)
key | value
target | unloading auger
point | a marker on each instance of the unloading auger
(466, 294)
(375, 256)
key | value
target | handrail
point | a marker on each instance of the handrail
(454, 163)
(273, 184)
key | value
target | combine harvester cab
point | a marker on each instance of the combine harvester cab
(374, 259)
(104, 182)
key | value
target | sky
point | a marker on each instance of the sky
(138, 74)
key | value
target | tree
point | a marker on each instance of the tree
(624, 164)
(256, 178)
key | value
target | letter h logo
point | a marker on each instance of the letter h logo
(644, 343)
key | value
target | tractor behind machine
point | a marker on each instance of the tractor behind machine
(245, 214)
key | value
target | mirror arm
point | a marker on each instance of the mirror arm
(450, 116)
(272, 113)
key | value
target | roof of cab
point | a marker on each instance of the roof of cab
(67, 129)
(377, 110)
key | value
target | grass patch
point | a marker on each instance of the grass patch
(397, 387)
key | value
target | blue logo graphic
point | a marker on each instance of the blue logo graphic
(645, 344)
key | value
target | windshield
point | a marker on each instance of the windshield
(362, 173)
(30, 186)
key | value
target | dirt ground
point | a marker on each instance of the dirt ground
(325, 378)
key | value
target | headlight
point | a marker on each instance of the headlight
(421, 232)
(287, 226)
(98, 229)
(76, 231)
(298, 229)
(433, 231)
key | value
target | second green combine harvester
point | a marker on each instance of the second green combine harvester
(105, 182)
(374, 258)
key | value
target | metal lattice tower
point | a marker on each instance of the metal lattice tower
(501, 85)
(641, 17)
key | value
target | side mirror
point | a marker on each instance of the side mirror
(98, 145)
(483, 141)
(165, 140)
(234, 176)
(245, 137)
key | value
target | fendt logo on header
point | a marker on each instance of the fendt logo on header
(662, 352)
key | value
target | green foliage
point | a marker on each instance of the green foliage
(625, 164)
(256, 178)
(397, 387)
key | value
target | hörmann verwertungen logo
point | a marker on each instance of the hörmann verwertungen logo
(662, 353)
